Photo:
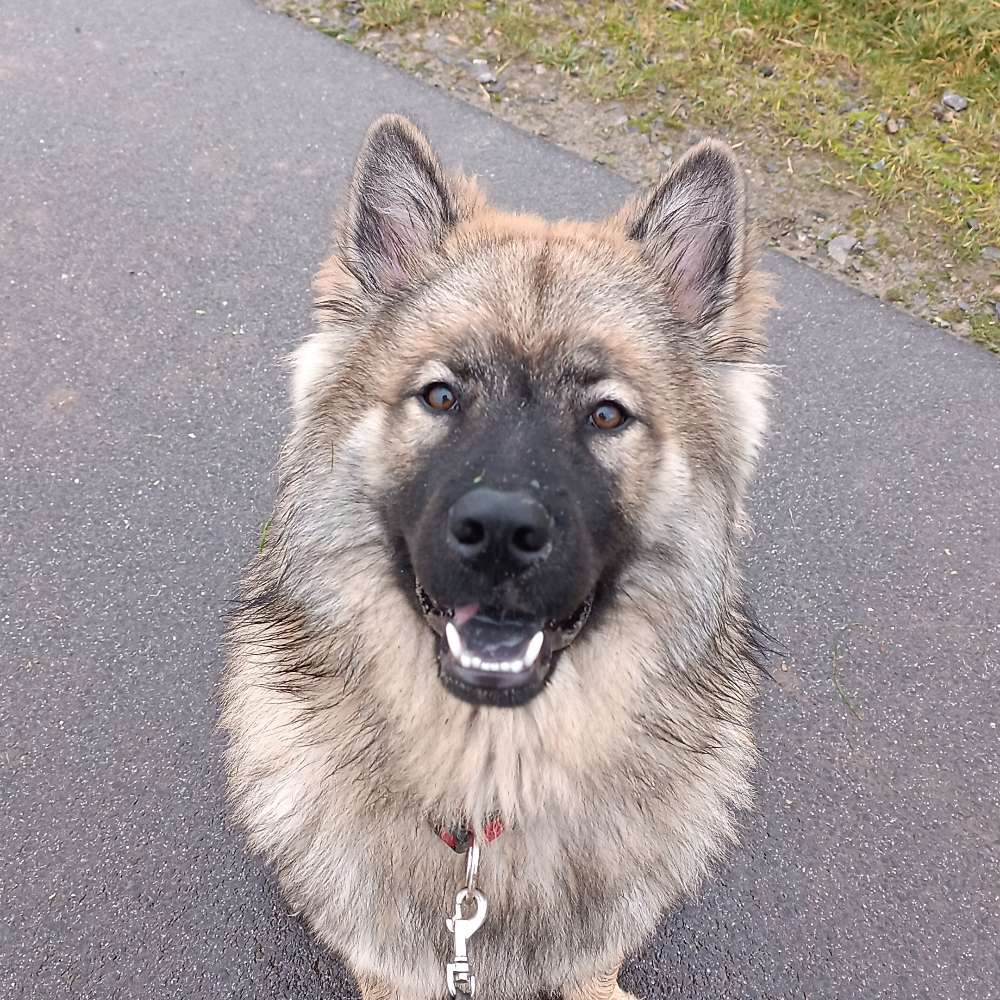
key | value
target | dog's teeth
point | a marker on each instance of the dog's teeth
(534, 648)
(465, 660)
(454, 640)
(477, 662)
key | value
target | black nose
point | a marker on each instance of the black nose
(499, 530)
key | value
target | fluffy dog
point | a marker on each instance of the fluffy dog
(501, 585)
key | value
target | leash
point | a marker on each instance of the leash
(470, 907)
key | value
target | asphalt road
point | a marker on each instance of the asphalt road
(167, 174)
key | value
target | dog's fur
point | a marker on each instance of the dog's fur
(619, 782)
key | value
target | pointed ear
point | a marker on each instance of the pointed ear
(692, 228)
(401, 206)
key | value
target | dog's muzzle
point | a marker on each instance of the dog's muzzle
(485, 657)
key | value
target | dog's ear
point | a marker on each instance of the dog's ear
(401, 206)
(692, 229)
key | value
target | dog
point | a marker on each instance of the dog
(500, 601)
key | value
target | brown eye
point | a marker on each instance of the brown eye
(608, 416)
(439, 396)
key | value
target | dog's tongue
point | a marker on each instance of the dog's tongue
(493, 640)
(464, 613)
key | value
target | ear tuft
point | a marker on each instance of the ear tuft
(692, 228)
(401, 207)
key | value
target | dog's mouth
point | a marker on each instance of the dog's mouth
(487, 657)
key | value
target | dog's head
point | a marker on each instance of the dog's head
(537, 413)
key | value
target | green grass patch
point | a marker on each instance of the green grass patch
(986, 331)
(860, 80)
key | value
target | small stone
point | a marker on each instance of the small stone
(767, 71)
(485, 76)
(840, 248)
(973, 224)
(847, 107)
(661, 89)
(494, 87)
(540, 70)
(879, 164)
(996, 310)
(964, 306)
(676, 5)
(892, 126)
(954, 101)
(990, 253)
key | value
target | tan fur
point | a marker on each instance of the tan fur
(603, 986)
(620, 784)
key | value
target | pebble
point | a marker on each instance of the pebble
(954, 101)
(990, 253)
(840, 247)
(973, 224)
(892, 126)
(767, 71)
(485, 76)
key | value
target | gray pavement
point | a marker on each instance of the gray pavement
(167, 176)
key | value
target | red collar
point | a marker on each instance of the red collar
(459, 838)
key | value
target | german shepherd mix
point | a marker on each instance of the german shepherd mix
(501, 586)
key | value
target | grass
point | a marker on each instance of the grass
(860, 80)
(986, 331)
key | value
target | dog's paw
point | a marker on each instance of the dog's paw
(603, 987)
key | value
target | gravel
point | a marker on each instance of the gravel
(840, 247)
(954, 101)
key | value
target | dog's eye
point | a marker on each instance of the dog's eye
(439, 396)
(608, 416)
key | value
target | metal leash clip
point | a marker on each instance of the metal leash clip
(468, 900)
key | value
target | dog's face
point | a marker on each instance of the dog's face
(542, 408)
